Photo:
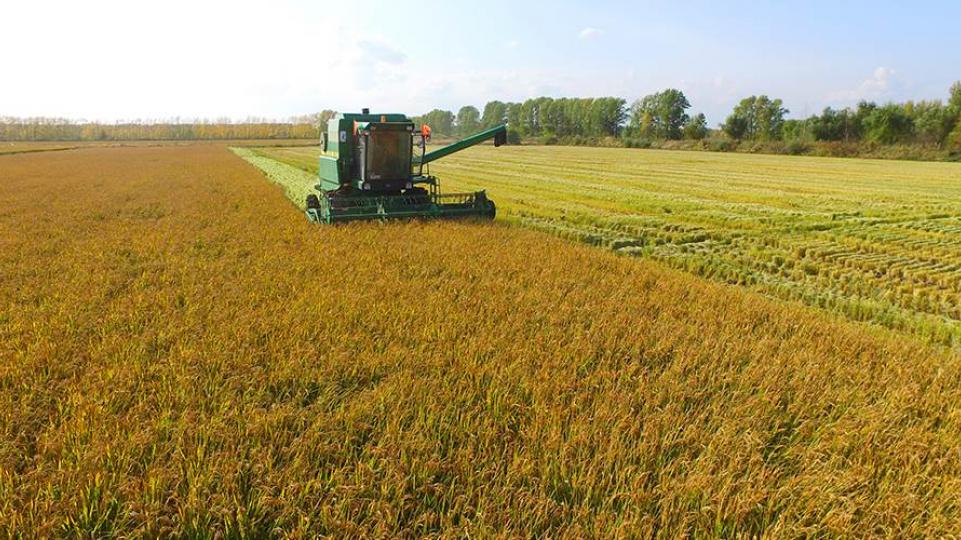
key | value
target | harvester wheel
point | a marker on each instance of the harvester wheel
(313, 201)
(418, 195)
(491, 210)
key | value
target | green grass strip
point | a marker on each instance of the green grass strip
(297, 184)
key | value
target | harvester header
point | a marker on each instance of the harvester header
(372, 166)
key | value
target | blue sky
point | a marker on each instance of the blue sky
(109, 59)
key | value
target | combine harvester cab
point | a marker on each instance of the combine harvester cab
(372, 166)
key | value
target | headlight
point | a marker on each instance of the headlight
(366, 186)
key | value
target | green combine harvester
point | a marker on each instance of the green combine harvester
(373, 166)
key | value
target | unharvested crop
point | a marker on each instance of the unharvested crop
(876, 241)
(183, 354)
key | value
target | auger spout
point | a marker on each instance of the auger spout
(498, 133)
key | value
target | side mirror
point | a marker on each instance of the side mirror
(323, 141)
(500, 138)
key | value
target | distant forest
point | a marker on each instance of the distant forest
(662, 117)
(176, 129)
(915, 129)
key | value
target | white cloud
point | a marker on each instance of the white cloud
(590, 33)
(879, 86)
(379, 51)
(512, 44)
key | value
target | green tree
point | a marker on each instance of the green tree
(954, 107)
(736, 126)
(890, 124)
(529, 117)
(642, 124)
(954, 139)
(861, 114)
(556, 117)
(515, 119)
(440, 121)
(541, 113)
(797, 130)
(758, 118)
(696, 127)
(577, 115)
(955, 96)
(661, 115)
(495, 113)
(608, 115)
(834, 125)
(468, 120)
(933, 122)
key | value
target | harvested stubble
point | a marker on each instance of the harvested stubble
(181, 353)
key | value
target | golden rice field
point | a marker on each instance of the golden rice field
(876, 241)
(183, 355)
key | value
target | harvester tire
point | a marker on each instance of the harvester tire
(491, 210)
(418, 195)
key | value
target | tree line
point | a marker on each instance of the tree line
(664, 116)
(62, 129)
(924, 122)
(543, 116)
(658, 117)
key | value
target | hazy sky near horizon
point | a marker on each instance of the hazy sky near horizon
(113, 59)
